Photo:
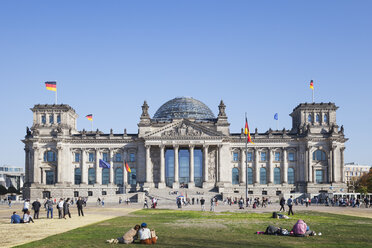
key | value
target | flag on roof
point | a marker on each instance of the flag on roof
(51, 86)
(312, 85)
(246, 132)
(90, 117)
(276, 116)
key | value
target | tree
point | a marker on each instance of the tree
(3, 190)
(364, 183)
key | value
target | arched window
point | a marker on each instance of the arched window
(319, 155)
(118, 157)
(310, 118)
(77, 176)
(277, 176)
(317, 118)
(132, 177)
(91, 176)
(250, 175)
(50, 156)
(235, 176)
(119, 176)
(326, 118)
(291, 176)
(43, 119)
(262, 176)
(105, 176)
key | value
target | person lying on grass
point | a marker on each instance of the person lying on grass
(128, 238)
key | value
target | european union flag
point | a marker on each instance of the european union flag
(276, 116)
(103, 164)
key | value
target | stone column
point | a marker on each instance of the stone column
(309, 167)
(256, 167)
(176, 182)
(330, 166)
(285, 166)
(271, 166)
(219, 163)
(191, 170)
(84, 167)
(342, 149)
(205, 164)
(243, 173)
(125, 172)
(111, 181)
(59, 166)
(34, 169)
(148, 165)
(98, 169)
(161, 184)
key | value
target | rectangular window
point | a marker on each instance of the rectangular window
(249, 157)
(90, 193)
(132, 157)
(235, 156)
(49, 177)
(43, 119)
(319, 176)
(277, 156)
(105, 156)
(263, 156)
(118, 157)
(77, 157)
(291, 156)
(91, 157)
(51, 119)
(76, 193)
(58, 119)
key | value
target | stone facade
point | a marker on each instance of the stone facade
(62, 161)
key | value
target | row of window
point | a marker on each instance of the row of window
(317, 118)
(50, 119)
(51, 156)
(277, 176)
(263, 156)
(105, 157)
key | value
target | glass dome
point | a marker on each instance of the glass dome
(183, 107)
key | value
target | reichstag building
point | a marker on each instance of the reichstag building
(184, 145)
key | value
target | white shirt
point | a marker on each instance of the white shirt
(26, 205)
(60, 204)
(26, 218)
(144, 233)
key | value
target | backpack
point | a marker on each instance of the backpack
(299, 228)
(271, 230)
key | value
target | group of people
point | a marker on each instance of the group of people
(154, 203)
(300, 229)
(63, 207)
(290, 203)
(139, 232)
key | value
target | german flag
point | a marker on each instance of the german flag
(127, 167)
(312, 85)
(51, 86)
(246, 131)
(90, 117)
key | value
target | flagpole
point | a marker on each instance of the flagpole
(313, 95)
(92, 125)
(246, 164)
(277, 124)
(56, 96)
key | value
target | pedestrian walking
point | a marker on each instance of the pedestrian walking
(282, 203)
(79, 205)
(290, 205)
(49, 207)
(202, 203)
(145, 204)
(60, 208)
(212, 204)
(66, 208)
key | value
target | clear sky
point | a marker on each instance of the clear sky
(258, 56)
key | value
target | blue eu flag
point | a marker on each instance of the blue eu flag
(103, 164)
(276, 116)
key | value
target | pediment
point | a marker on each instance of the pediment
(184, 128)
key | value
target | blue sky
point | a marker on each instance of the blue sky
(258, 56)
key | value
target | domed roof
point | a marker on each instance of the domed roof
(184, 107)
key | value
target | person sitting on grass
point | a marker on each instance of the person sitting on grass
(15, 219)
(301, 229)
(128, 237)
(146, 236)
(27, 218)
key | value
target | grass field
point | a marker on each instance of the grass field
(205, 229)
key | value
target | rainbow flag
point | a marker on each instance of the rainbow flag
(51, 86)
(246, 132)
(90, 117)
(312, 85)
(127, 167)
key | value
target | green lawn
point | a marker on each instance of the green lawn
(205, 229)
